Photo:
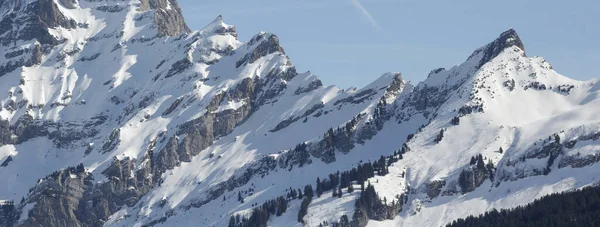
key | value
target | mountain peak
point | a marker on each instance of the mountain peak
(508, 38)
(219, 27)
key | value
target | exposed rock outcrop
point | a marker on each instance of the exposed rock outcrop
(507, 39)
(57, 198)
(32, 21)
(168, 17)
(269, 43)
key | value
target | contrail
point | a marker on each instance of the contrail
(366, 13)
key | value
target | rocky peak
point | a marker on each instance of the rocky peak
(263, 44)
(507, 39)
(168, 17)
(218, 27)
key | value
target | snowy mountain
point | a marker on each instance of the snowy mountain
(116, 114)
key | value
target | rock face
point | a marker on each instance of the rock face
(434, 188)
(168, 17)
(23, 21)
(26, 21)
(471, 178)
(57, 198)
(126, 184)
(507, 39)
(267, 44)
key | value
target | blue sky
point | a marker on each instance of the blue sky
(353, 42)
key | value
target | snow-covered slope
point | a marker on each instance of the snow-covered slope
(171, 126)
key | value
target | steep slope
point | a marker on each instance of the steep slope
(128, 118)
(533, 128)
(125, 90)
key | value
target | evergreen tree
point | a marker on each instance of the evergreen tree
(80, 168)
(480, 163)
(232, 222)
(409, 137)
(344, 221)
(308, 191)
(319, 188)
(455, 120)
(440, 136)
(575, 208)
(303, 209)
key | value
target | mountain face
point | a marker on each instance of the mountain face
(116, 114)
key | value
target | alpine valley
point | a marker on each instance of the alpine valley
(115, 113)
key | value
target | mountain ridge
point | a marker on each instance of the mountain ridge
(168, 123)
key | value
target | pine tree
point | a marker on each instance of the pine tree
(455, 120)
(80, 168)
(303, 209)
(339, 192)
(440, 136)
(344, 221)
(501, 151)
(308, 191)
(232, 222)
(480, 163)
(240, 198)
(319, 188)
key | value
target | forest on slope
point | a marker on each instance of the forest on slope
(574, 208)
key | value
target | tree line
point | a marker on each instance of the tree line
(575, 208)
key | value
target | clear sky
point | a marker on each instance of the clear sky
(353, 42)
